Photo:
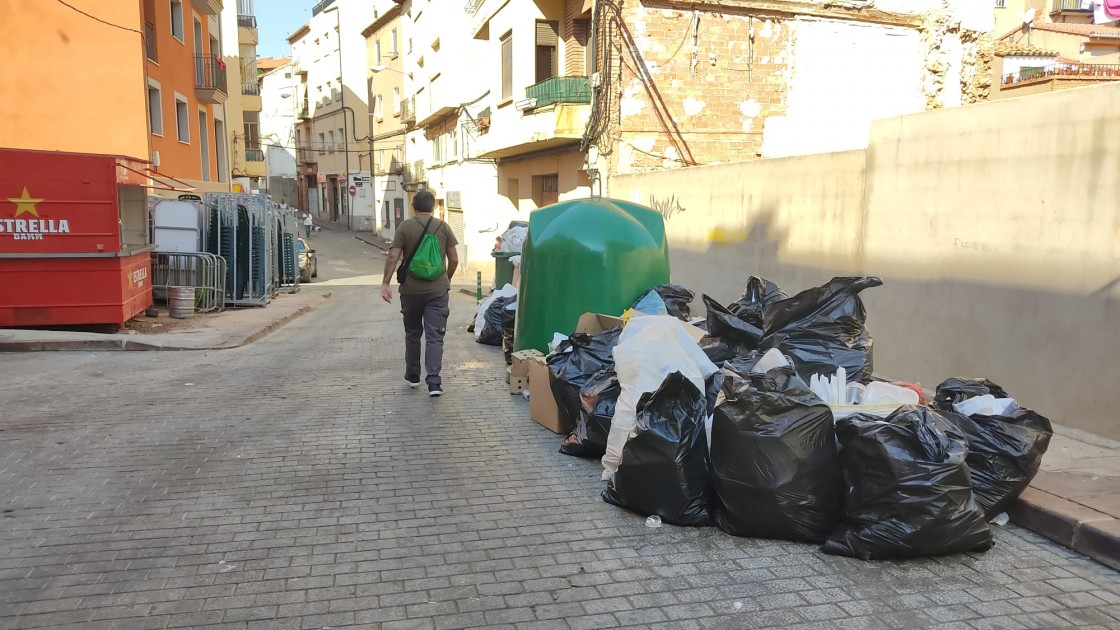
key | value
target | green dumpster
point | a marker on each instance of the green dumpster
(587, 255)
(503, 268)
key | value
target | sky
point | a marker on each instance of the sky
(276, 20)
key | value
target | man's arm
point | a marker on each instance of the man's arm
(452, 262)
(390, 267)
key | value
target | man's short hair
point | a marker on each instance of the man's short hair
(424, 201)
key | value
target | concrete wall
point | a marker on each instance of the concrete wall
(994, 227)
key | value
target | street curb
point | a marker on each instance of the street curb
(1069, 524)
(116, 345)
(372, 244)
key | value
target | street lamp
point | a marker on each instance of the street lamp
(345, 137)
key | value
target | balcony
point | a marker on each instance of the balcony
(1081, 73)
(319, 6)
(246, 21)
(559, 126)
(208, 7)
(210, 79)
(254, 155)
(558, 90)
(150, 48)
(408, 112)
(247, 34)
(1074, 6)
(305, 112)
(251, 88)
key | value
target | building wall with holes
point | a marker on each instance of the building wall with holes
(701, 87)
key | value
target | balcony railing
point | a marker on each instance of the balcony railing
(560, 90)
(150, 47)
(209, 73)
(247, 21)
(472, 6)
(1072, 5)
(305, 112)
(1060, 70)
(319, 6)
(251, 89)
(254, 155)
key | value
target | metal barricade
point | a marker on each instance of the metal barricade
(239, 228)
(204, 271)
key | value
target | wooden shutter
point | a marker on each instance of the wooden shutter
(548, 33)
(507, 66)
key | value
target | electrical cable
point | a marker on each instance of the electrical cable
(97, 19)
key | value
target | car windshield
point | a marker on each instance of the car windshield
(302, 246)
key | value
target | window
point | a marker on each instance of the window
(204, 145)
(155, 109)
(507, 65)
(377, 111)
(177, 20)
(437, 149)
(220, 149)
(252, 130)
(182, 118)
(377, 51)
(547, 40)
(330, 135)
(393, 50)
(453, 143)
(1001, 4)
(396, 101)
(341, 140)
(580, 31)
(322, 143)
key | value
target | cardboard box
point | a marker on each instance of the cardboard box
(542, 404)
(519, 372)
(593, 323)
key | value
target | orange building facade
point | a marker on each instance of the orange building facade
(185, 90)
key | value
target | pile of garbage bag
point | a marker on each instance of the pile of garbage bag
(579, 358)
(489, 319)
(770, 424)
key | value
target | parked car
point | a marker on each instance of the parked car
(308, 263)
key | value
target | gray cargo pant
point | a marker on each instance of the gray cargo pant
(425, 315)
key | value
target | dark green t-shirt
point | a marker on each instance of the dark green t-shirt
(408, 238)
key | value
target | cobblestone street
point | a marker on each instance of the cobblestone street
(298, 483)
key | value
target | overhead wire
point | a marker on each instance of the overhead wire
(97, 19)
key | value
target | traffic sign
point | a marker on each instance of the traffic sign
(353, 191)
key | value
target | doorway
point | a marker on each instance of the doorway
(204, 145)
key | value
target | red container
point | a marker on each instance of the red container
(74, 246)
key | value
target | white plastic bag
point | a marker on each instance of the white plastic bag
(480, 315)
(649, 349)
(986, 405)
(513, 238)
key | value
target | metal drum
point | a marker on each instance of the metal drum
(181, 302)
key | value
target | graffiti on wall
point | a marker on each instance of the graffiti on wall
(666, 206)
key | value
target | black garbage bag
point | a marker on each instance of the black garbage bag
(728, 335)
(955, 390)
(509, 321)
(1004, 452)
(822, 329)
(597, 402)
(756, 296)
(675, 297)
(664, 467)
(491, 334)
(577, 360)
(775, 469)
(909, 492)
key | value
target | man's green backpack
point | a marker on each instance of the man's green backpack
(427, 260)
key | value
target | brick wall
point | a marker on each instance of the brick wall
(718, 97)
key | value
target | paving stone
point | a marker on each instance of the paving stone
(248, 501)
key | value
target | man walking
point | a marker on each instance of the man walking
(307, 223)
(424, 303)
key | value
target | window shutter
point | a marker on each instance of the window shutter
(507, 67)
(548, 33)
